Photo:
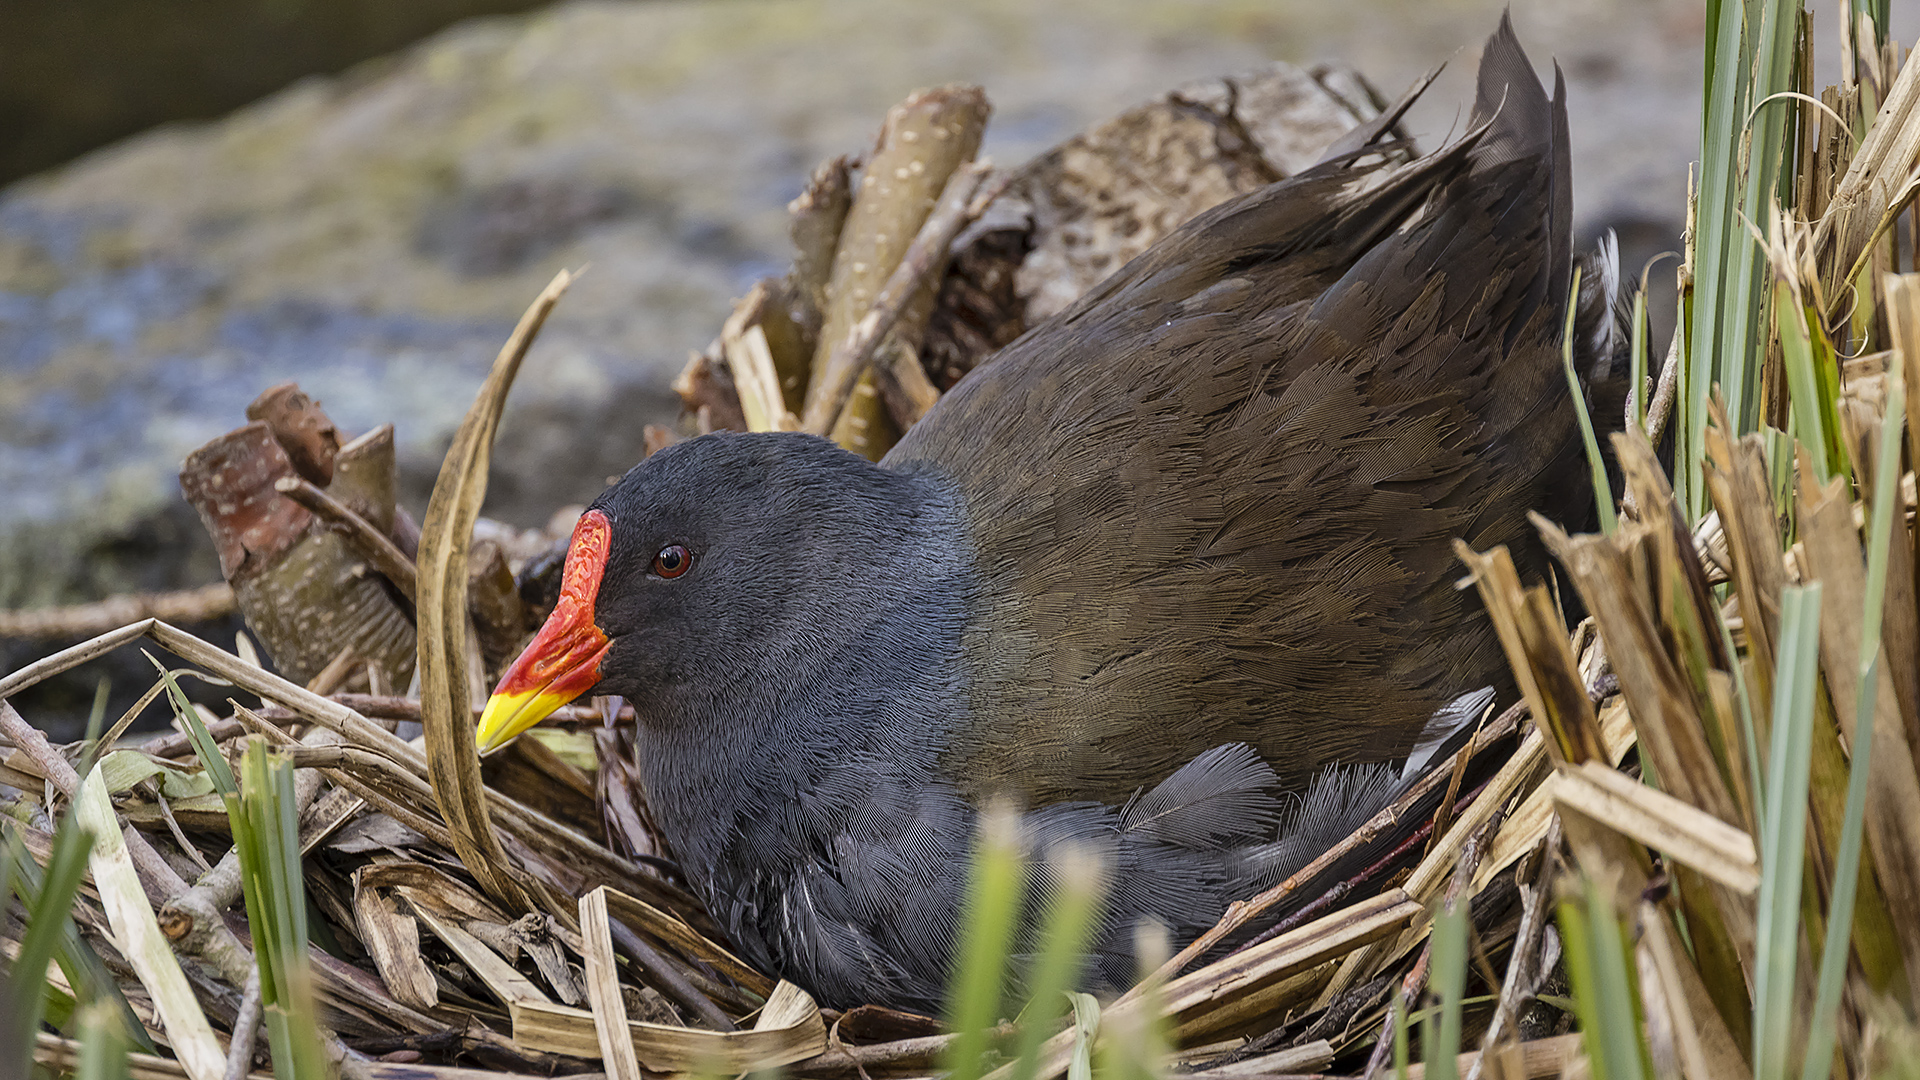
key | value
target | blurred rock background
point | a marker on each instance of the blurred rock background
(373, 233)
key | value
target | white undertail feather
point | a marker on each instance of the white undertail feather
(1466, 709)
(1603, 309)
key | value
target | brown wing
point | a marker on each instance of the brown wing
(1216, 500)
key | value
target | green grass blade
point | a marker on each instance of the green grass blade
(1826, 382)
(1716, 38)
(1769, 176)
(1602, 490)
(1783, 829)
(1743, 700)
(1717, 228)
(1878, 11)
(986, 940)
(1440, 1044)
(265, 820)
(1605, 998)
(96, 722)
(1619, 995)
(1803, 386)
(1576, 945)
(1833, 954)
(1071, 911)
(48, 900)
(1750, 59)
(1133, 1041)
(1086, 1029)
(208, 751)
(1402, 1039)
(78, 962)
(103, 1043)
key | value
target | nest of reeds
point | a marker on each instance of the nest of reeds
(1696, 836)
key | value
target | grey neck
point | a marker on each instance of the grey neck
(735, 775)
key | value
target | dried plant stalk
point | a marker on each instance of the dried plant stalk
(205, 604)
(925, 139)
(138, 937)
(837, 386)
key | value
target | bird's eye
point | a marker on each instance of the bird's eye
(672, 561)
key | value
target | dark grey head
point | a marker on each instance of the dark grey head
(724, 574)
(733, 556)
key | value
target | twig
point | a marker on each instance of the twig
(851, 357)
(1526, 945)
(991, 191)
(177, 743)
(1410, 989)
(72, 657)
(330, 677)
(155, 874)
(666, 977)
(204, 604)
(63, 1055)
(246, 1026)
(1662, 404)
(387, 707)
(1416, 981)
(839, 1057)
(1341, 889)
(371, 544)
(180, 840)
(904, 383)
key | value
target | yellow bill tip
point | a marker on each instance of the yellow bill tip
(509, 714)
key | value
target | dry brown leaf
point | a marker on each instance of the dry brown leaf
(446, 642)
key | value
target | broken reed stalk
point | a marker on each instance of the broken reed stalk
(388, 707)
(853, 354)
(1661, 407)
(72, 657)
(924, 141)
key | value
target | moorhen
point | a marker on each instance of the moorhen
(1148, 572)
